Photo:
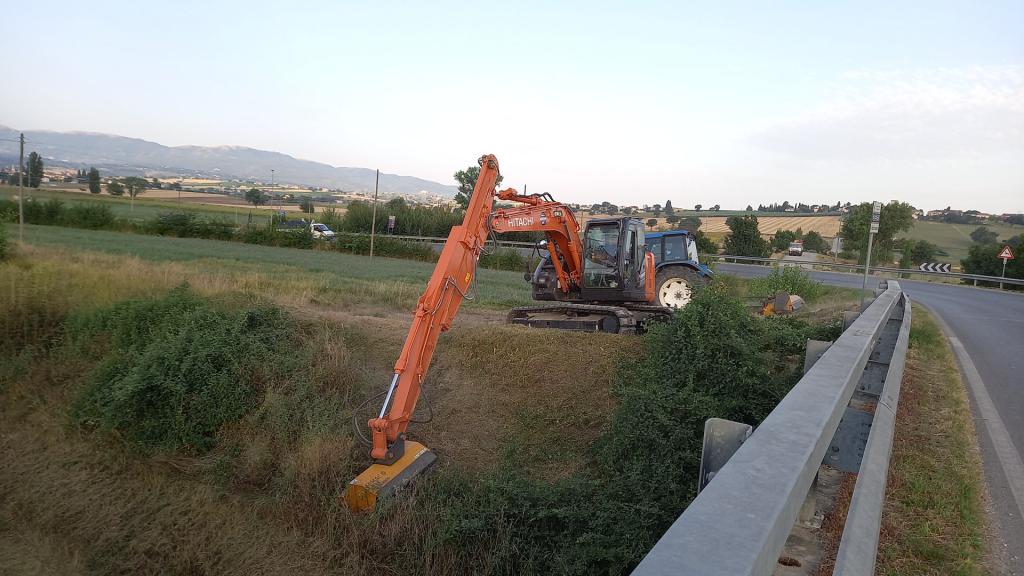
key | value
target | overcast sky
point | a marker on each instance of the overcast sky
(729, 103)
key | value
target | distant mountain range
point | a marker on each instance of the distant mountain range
(122, 156)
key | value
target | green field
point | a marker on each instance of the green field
(341, 278)
(955, 239)
(145, 208)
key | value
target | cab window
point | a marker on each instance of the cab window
(600, 251)
(675, 247)
(654, 245)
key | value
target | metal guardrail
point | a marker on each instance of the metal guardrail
(774, 261)
(740, 522)
(436, 240)
(860, 268)
(859, 545)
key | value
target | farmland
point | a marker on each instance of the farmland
(145, 208)
(827, 226)
(955, 239)
(768, 223)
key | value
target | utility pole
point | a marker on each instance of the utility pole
(876, 211)
(373, 221)
(21, 191)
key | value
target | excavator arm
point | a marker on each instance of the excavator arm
(435, 311)
(396, 459)
(556, 220)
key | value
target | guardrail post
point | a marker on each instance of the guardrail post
(815, 349)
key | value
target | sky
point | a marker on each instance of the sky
(729, 103)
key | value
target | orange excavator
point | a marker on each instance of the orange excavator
(602, 281)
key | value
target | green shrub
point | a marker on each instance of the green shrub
(789, 279)
(56, 213)
(3, 242)
(505, 259)
(782, 240)
(91, 216)
(189, 225)
(385, 246)
(8, 210)
(705, 245)
(173, 370)
(712, 359)
(813, 242)
(49, 212)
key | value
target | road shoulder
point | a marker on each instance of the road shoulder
(934, 520)
(1003, 469)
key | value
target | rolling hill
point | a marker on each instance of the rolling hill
(123, 156)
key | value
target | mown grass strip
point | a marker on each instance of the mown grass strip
(933, 522)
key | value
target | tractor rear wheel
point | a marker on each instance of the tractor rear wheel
(674, 285)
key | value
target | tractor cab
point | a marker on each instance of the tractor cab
(613, 260)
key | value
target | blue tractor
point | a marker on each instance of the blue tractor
(678, 267)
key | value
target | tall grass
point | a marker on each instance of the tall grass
(790, 279)
(934, 516)
(4, 247)
(323, 277)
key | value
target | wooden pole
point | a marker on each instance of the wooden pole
(373, 220)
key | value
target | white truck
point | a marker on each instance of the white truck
(322, 232)
(318, 230)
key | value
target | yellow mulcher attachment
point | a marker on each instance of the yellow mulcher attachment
(382, 480)
(781, 304)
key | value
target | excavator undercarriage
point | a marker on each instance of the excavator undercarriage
(626, 319)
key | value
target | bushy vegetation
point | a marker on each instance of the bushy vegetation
(713, 359)
(189, 225)
(782, 240)
(916, 252)
(409, 220)
(813, 242)
(386, 247)
(982, 259)
(895, 217)
(789, 279)
(269, 236)
(173, 370)
(705, 245)
(4, 250)
(745, 238)
(56, 213)
(507, 259)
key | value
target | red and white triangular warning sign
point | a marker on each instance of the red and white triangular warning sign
(1006, 253)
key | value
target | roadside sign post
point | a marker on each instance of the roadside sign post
(876, 212)
(1005, 254)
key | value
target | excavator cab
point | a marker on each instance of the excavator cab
(613, 260)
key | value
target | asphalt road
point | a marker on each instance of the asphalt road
(986, 329)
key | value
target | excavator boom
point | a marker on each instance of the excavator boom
(397, 461)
